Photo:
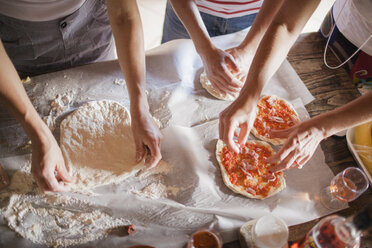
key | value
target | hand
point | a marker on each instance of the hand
(48, 165)
(243, 57)
(220, 68)
(302, 141)
(237, 115)
(146, 136)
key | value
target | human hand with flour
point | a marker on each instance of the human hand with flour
(48, 165)
(125, 19)
(147, 138)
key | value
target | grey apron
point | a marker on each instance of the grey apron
(39, 47)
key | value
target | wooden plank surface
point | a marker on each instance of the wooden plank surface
(331, 89)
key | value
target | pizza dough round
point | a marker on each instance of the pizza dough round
(272, 99)
(240, 189)
(98, 146)
(204, 81)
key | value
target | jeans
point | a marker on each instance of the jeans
(174, 29)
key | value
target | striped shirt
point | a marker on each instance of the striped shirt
(229, 8)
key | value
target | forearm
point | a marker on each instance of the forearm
(354, 113)
(189, 15)
(14, 97)
(127, 29)
(261, 23)
(275, 44)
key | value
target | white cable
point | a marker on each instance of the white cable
(329, 37)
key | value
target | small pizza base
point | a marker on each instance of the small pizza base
(225, 176)
(204, 81)
(274, 141)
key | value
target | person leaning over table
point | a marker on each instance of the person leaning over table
(40, 37)
(205, 18)
(303, 138)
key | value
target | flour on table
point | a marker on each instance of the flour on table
(59, 105)
(161, 168)
(98, 146)
(154, 191)
(119, 81)
(58, 220)
(52, 219)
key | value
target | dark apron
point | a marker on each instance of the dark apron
(39, 47)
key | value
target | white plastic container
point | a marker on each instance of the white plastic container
(268, 231)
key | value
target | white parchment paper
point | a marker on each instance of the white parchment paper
(189, 120)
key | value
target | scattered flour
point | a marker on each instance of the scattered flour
(58, 106)
(119, 81)
(58, 220)
(98, 146)
(161, 168)
(154, 191)
(52, 219)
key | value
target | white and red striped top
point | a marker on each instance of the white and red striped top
(229, 8)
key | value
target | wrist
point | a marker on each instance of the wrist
(249, 45)
(205, 49)
(37, 131)
(319, 124)
(139, 107)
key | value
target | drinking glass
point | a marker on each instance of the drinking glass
(345, 187)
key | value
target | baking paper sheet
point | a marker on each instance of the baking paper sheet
(189, 122)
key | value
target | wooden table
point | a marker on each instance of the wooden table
(331, 89)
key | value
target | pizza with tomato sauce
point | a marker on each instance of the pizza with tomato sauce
(247, 173)
(273, 113)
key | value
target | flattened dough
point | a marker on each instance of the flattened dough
(98, 146)
(274, 141)
(240, 189)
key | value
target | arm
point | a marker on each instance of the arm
(46, 155)
(127, 29)
(214, 59)
(245, 52)
(274, 46)
(305, 137)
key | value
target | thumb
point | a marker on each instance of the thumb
(63, 173)
(140, 152)
(243, 134)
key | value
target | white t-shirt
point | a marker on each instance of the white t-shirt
(39, 10)
(229, 8)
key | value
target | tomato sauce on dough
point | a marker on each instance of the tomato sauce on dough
(249, 170)
(274, 114)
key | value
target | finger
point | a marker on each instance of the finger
(285, 163)
(225, 87)
(231, 63)
(302, 162)
(52, 183)
(140, 151)
(243, 134)
(154, 156)
(62, 172)
(229, 79)
(277, 168)
(228, 137)
(287, 148)
(241, 76)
